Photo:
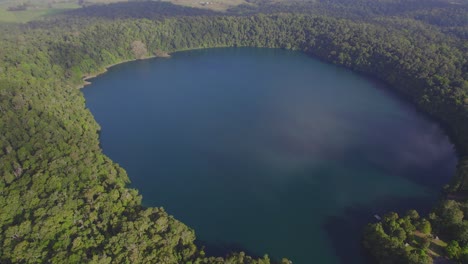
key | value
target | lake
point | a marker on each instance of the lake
(267, 150)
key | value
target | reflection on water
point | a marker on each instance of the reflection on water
(268, 150)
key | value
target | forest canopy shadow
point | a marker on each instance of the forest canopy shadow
(221, 248)
(345, 231)
(138, 10)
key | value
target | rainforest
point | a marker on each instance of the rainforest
(64, 201)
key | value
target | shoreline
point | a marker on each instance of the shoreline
(158, 54)
(89, 76)
(387, 86)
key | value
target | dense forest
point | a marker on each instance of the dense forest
(63, 201)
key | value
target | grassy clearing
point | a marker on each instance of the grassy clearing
(217, 5)
(7, 16)
(437, 246)
(36, 9)
(40, 8)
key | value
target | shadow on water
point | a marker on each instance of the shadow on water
(345, 231)
(222, 249)
(430, 171)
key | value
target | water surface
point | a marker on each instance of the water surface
(268, 151)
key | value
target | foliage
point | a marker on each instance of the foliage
(453, 250)
(425, 227)
(392, 240)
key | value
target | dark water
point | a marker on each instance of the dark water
(268, 151)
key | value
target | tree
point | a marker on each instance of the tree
(425, 243)
(412, 214)
(462, 232)
(400, 234)
(453, 250)
(425, 227)
(418, 257)
(464, 257)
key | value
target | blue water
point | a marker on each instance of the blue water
(268, 151)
